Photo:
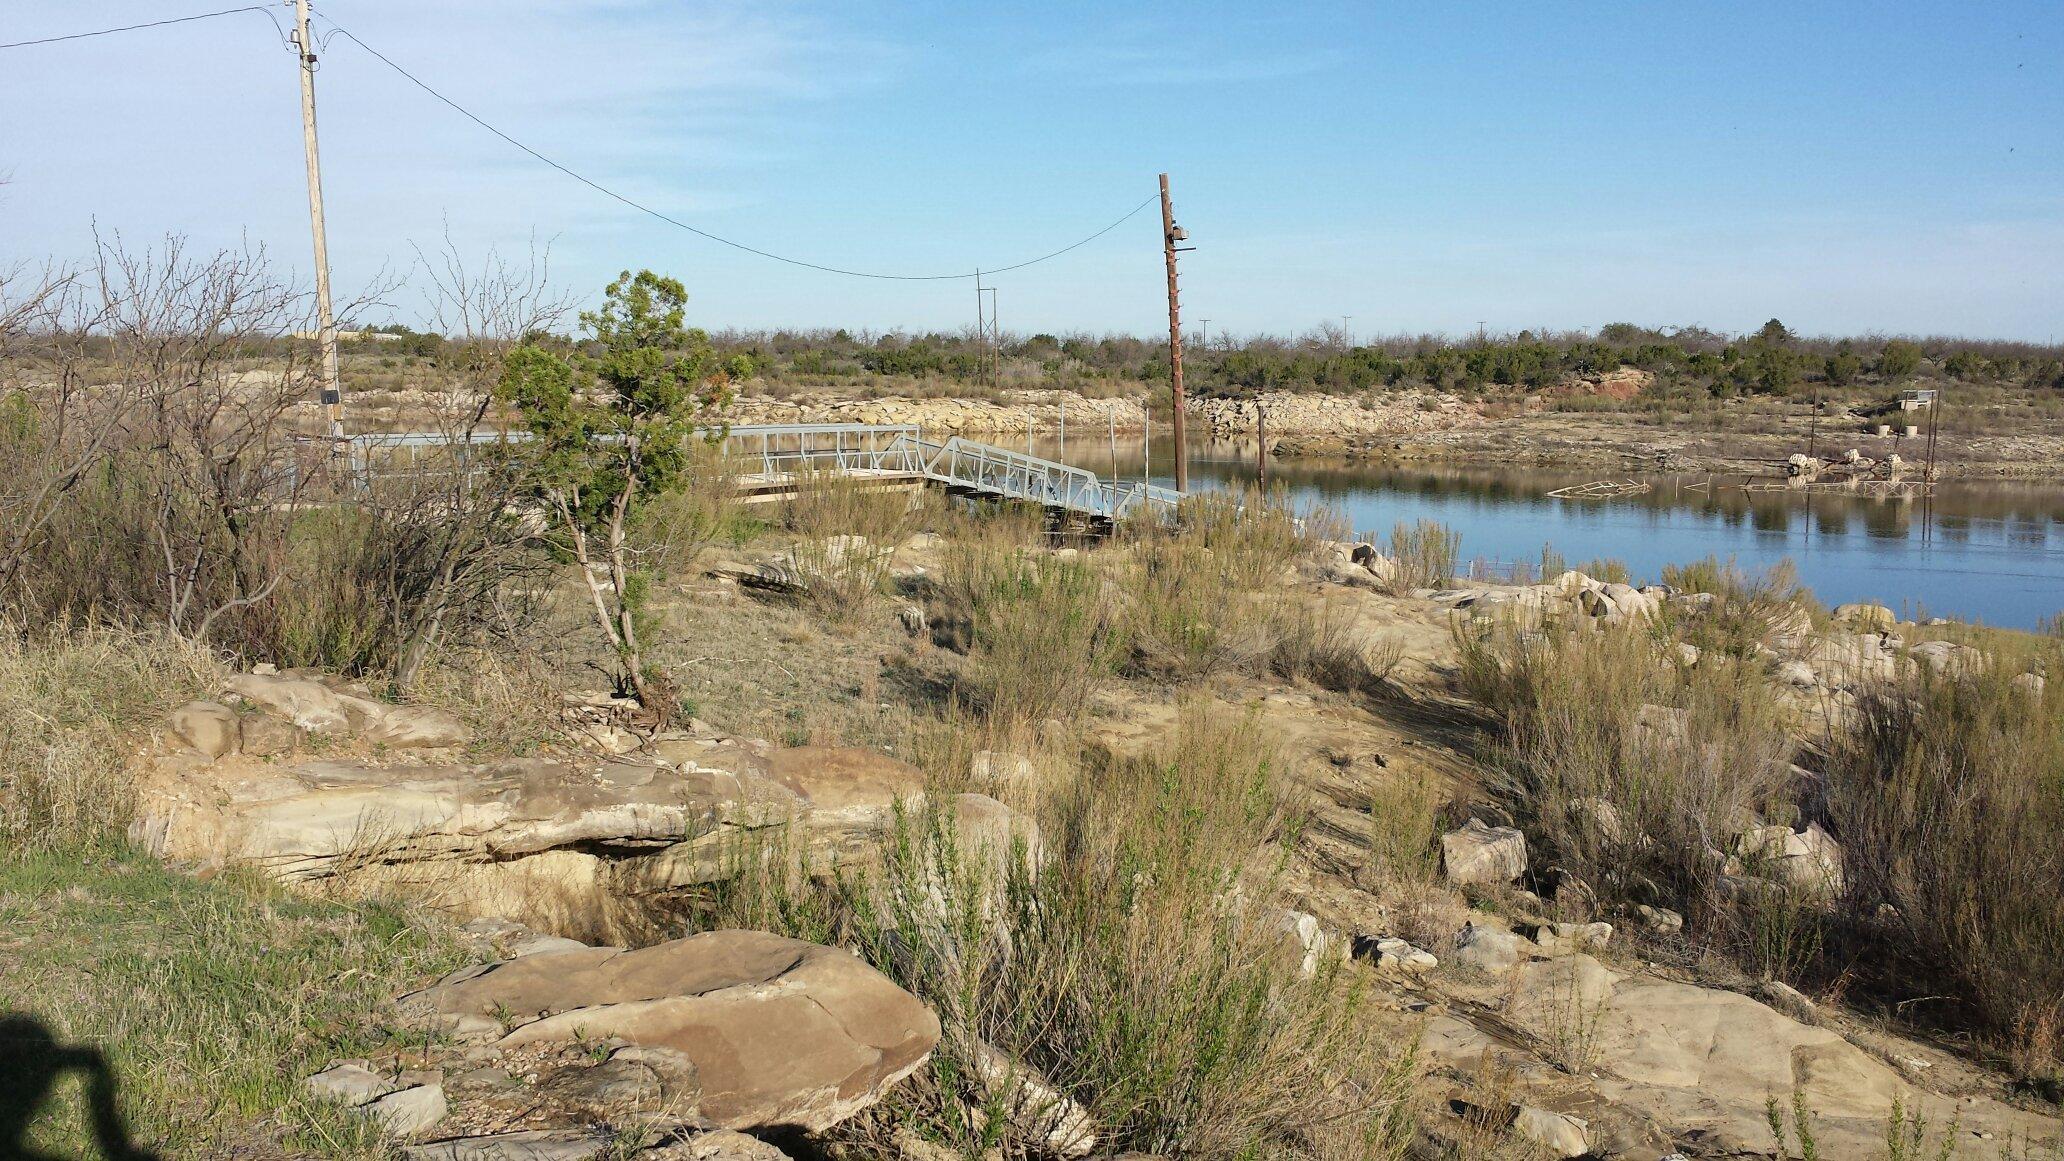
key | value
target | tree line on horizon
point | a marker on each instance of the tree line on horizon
(1772, 361)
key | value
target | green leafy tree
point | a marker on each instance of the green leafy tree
(1843, 366)
(612, 430)
(1899, 359)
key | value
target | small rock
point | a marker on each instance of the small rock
(718, 1145)
(207, 726)
(613, 1086)
(912, 618)
(538, 944)
(1560, 1133)
(1303, 934)
(1483, 854)
(410, 1111)
(1392, 952)
(1797, 674)
(1002, 768)
(348, 1083)
(413, 727)
(1662, 727)
(2029, 683)
(1867, 616)
(1491, 949)
(1034, 1105)
(265, 736)
(1660, 920)
(1789, 1000)
(1558, 939)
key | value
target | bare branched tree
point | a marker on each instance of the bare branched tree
(457, 528)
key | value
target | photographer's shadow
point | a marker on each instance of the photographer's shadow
(31, 1063)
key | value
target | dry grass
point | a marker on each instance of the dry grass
(109, 953)
(1041, 631)
(1622, 769)
(1949, 800)
(1319, 642)
(1425, 554)
(70, 705)
(1187, 615)
(1139, 969)
(845, 529)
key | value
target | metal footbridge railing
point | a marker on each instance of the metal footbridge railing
(957, 463)
(784, 451)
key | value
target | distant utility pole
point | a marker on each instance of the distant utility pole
(1204, 336)
(1480, 340)
(1170, 235)
(326, 322)
(1347, 324)
(995, 342)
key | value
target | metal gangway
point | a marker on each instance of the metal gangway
(788, 455)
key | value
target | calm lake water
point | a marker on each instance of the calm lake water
(1990, 552)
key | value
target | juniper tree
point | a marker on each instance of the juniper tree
(613, 421)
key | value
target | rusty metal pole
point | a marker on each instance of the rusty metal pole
(1168, 240)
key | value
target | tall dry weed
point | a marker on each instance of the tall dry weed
(72, 704)
(1623, 769)
(1948, 798)
(1139, 969)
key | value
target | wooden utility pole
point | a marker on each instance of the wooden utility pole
(1170, 235)
(326, 322)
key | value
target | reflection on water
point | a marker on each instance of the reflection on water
(1991, 552)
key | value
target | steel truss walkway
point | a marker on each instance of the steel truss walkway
(787, 453)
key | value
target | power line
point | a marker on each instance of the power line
(151, 24)
(677, 223)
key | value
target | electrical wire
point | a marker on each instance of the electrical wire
(264, 8)
(642, 208)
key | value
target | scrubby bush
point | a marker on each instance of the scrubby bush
(1139, 969)
(1425, 554)
(1948, 796)
(1627, 771)
(1042, 635)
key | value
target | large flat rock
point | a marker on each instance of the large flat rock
(780, 1032)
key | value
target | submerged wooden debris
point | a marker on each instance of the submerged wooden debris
(1601, 489)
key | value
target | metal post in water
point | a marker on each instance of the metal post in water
(1063, 456)
(1147, 445)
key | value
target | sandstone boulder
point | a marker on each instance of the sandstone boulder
(1948, 657)
(1702, 1059)
(209, 727)
(1492, 949)
(1876, 618)
(1479, 854)
(1810, 860)
(319, 709)
(780, 1032)
(1559, 1133)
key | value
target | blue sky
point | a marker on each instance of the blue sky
(1847, 167)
